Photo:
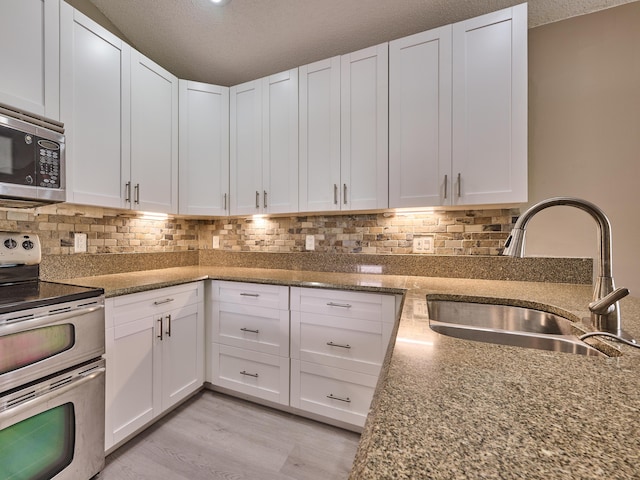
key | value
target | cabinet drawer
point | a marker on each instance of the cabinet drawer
(253, 373)
(256, 294)
(255, 328)
(352, 344)
(332, 392)
(132, 307)
(366, 306)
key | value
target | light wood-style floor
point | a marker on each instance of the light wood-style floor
(214, 436)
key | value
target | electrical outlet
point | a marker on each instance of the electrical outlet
(216, 242)
(310, 242)
(423, 244)
(79, 242)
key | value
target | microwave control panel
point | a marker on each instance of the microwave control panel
(48, 172)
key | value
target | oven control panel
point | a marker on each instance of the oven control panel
(19, 249)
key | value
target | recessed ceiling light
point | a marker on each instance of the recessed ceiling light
(220, 3)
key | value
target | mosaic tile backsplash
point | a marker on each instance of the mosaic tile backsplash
(459, 232)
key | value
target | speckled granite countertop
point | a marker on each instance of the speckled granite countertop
(447, 408)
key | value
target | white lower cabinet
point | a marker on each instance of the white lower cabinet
(252, 373)
(338, 343)
(154, 353)
(339, 394)
(316, 350)
(249, 339)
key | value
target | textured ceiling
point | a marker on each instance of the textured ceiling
(249, 39)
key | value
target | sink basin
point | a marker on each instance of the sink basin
(506, 325)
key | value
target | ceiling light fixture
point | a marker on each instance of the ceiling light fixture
(220, 3)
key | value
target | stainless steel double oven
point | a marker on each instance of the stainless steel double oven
(52, 376)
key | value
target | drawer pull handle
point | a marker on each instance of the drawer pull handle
(244, 372)
(166, 300)
(333, 397)
(331, 344)
(249, 295)
(249, 330)
(341, 305)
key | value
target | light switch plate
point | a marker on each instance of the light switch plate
(216, 242)
(423, 244)
(79, 242)
(310, 243)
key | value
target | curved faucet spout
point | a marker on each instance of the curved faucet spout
(604, 284)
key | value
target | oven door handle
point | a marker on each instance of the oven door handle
(18, 325)
(78, 380)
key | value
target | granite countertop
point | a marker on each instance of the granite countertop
(447, 408)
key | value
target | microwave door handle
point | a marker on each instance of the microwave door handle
(77, 381)
(31, 323)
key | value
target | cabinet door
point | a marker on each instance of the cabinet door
(364, 130)
(490, 108)
(319, 113)
(420, 119)
(29, 55)
(246, 148)
(95, 106)
(133, 369)
(280, 142)
(154, 137)
(182, 354)
(204, 149)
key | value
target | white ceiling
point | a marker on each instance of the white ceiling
(249, 39)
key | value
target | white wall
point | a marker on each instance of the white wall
(584, 135)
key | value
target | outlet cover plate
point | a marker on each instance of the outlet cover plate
(310, 242)
(216, 242)
(423, 244)
(79, 242)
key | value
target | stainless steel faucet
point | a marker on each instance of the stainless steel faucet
(605, 309)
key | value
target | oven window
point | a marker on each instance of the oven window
(39, 447)
(25, 348)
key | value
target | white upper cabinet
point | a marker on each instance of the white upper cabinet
(490, 108)
(94, 106)
(264, 145)
(246, 148)
(29, 55)
(364, 136)
(204, 149)
(320, 136)
(280, 142)
(154, 137)
(420, 119)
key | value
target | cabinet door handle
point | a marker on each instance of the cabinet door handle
(335, 194)
(264, 199)
(244, 372)
(342, 399)
(257, 199)
(459, 185)
(249, 330)
(161, 302)
(344, 193)
(341, 305)
(446, 180)
(136, 191)
(225, 201)
(127, 189)
(249, 294)
(168, 332)
(160, 336)
(331, 344)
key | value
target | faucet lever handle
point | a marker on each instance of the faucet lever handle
(605, 304)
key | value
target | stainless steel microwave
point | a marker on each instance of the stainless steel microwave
(32, 164)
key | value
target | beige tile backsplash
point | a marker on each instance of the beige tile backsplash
(460, 232)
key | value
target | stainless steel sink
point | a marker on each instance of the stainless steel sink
(506, 325)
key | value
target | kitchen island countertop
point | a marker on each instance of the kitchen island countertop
(447, 408)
